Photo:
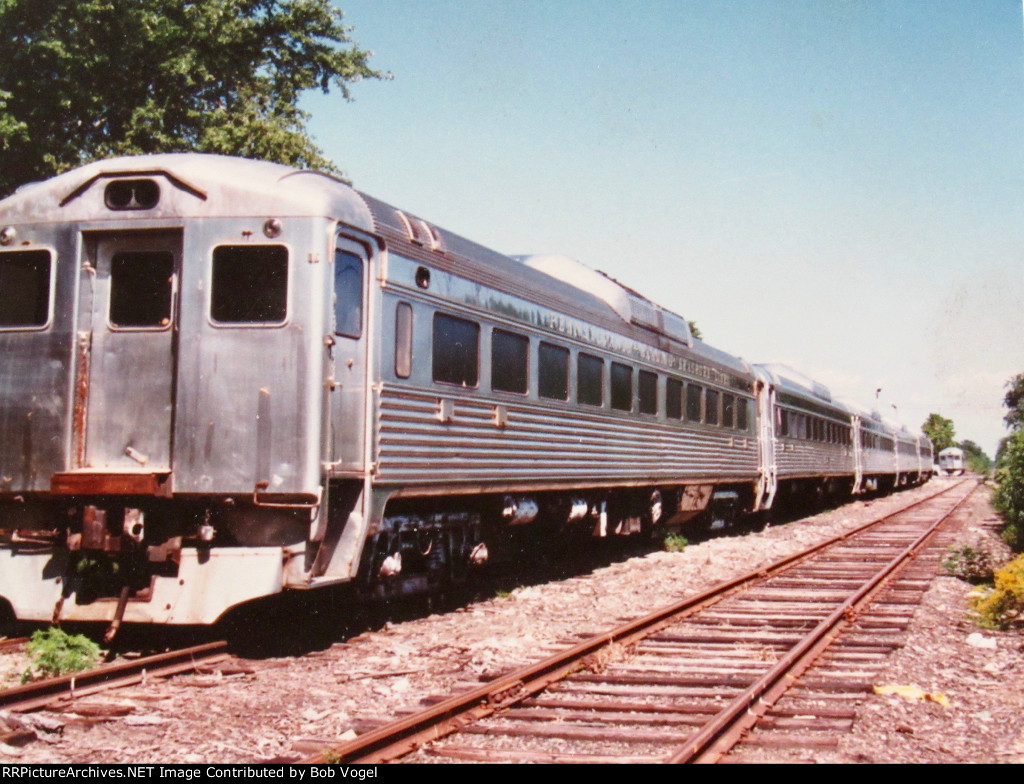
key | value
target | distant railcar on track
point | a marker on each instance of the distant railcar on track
(951, 461)
(221, 379)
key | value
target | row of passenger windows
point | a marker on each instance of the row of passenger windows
(875, 441)
(456, 360)
(792, 424)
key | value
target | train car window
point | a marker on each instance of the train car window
(590, 380)
(250, 284)
(403, 340)
(456, 357)
(24, 289)
(622, 387)
(553, 372)
(711, 414)
(694, 394)
(728, 410)
(348, 294)
(673, 398)
(141, 288)
(742, 415)
(647, 391)
(510, 354)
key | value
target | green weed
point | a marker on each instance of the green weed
(674, 543)
(55, 652)
(970, 564)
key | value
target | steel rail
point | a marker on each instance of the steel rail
(723, 731)
(400, 737)
(6, 645)
(111, 676)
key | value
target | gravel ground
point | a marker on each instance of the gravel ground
(287, 706)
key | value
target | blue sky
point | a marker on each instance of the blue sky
(834, 185)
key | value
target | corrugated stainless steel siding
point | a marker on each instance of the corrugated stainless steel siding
(543, 443)
(807, 458)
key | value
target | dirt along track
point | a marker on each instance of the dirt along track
(288, 707)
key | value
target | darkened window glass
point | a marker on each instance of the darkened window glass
(348, 294)
(711, 407)
(403, 340)
(250, 284)
(24, 289)
(693, 396)
(590, 380)
(553, 372)
(509, 356)
(783, 422)
(647, 392)
(456, 350)
(742, 414)
(728, 410)
(622, 387)
(674, 398)
(141, 286)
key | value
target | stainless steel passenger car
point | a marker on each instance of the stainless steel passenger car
(220, 379)
(951, 461)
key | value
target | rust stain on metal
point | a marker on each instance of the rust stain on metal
(81, 406)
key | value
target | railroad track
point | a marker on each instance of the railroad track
(761, 656)
(111, 676)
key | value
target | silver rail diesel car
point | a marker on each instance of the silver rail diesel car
(221, 379)
(951, 461)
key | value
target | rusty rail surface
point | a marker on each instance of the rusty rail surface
(405, 735)
(111, 676)
(12, 643)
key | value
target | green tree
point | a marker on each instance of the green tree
(940, 431)
(695, 330)
(975, 457)
(1009, 497)
(1014, 401)
(87, 79)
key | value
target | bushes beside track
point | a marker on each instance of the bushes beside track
(1009, 497)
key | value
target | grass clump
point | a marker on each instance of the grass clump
(54, 652)
(975, 565)
(674, 543)
(1003, 604)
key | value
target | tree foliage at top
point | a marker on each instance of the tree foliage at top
(975, 457)
(87, 79)
(1009, 498)
(940, 431)
(1014, 402)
